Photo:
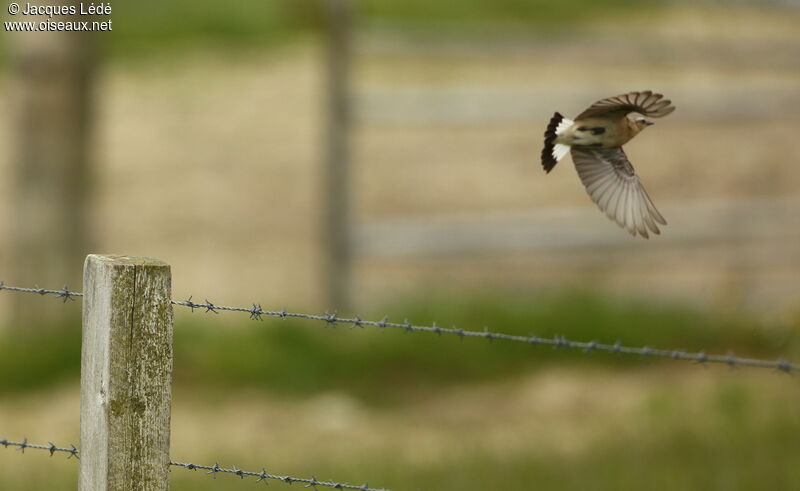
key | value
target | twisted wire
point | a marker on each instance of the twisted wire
(52, 447)
(64, 293)
(263, 475)
(256, 312)
(212, 470)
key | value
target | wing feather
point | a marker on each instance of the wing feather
(600, 185)
(648, 220)
(645, 103)
(612, 184)
(648, 100)
(618, 199)
(603, 194)
(621, 207)
(630, 222)
(599, 175)
(641, 227)
(608, 202)
(652, 208)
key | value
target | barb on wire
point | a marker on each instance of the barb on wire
(215, 469)
(558, 342)
(263, 475)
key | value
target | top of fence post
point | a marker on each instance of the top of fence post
(126, 374)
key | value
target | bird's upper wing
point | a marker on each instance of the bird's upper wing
(612, 184)
(645, 103)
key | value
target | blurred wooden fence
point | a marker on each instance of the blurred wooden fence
(727, 254)
(705, 224)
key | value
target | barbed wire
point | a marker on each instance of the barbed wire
(64, 293)
(263, 475)
(256, 312)
(558, 341)
(52, 448)
(212, 470)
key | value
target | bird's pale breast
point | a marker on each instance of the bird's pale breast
(597, 133)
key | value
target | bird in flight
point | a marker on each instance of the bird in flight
(595, 140)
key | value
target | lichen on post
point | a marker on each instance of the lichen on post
(126, 374)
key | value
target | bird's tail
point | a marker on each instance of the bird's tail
(552, 151)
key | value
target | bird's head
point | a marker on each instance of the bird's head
(642, 123)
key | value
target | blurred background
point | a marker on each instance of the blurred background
(382, 158)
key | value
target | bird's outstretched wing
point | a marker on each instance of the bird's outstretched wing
(645, 103)
(612, 184)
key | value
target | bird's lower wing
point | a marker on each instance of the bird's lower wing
(612, 184)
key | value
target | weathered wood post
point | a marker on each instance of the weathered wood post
(126, 374)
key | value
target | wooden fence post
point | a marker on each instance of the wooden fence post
(126, 374)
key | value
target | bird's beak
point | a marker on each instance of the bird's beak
(649, 123)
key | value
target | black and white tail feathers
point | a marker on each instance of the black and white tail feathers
(552, 151)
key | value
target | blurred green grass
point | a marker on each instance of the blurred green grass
(722, 447)
(299, 358)
(149, 27)
(534, 12)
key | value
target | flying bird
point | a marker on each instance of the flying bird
(595, 140)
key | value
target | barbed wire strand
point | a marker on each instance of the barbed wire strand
(263, 475)
(52, 447)
(64, 293)
(256, 312)
(212, 470)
